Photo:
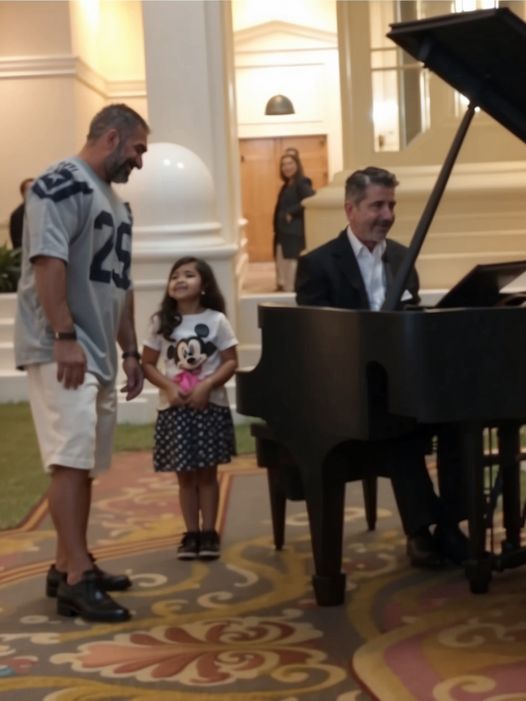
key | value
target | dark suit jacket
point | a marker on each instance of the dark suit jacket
(329, 276)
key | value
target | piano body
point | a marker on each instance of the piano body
(328, 378)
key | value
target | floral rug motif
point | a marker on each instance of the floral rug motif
(246, 627)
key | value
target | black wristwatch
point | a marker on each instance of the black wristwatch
(131, 354)
(65, 335)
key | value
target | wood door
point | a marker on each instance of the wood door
(260, 183)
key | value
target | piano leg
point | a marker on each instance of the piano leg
(278, 505)
(325, 497)
(370, 498)
(509, 459)
(478, 566)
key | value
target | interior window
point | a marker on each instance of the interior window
(399, 82)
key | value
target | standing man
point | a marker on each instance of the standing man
(75, 300)
(353, 271)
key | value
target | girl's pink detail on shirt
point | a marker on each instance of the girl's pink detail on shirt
(186, 380)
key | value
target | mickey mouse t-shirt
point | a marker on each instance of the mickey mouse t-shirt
(193, 351)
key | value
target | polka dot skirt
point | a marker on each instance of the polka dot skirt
(188, 439)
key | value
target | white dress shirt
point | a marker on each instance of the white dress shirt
(372, 269)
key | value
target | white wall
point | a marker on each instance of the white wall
(60, 62)
(108, 36)
(320, 14)
(299, 62)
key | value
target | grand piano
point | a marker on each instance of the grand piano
(328, 378)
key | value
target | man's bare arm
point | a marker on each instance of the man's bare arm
(51, 285)
(127, 340)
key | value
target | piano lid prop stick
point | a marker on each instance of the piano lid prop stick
(394, 295)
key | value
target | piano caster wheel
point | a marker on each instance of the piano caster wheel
(329, 591)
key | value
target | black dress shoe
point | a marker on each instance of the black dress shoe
(87, 600)
(422, 551)
(452, 543)
(107, 581)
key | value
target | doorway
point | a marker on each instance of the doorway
(260, 183)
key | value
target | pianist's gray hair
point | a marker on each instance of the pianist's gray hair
(357, 183)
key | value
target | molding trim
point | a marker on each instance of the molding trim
(36, 66)
(121, 89)
(19, 67)
(90, 78)
(258, 31)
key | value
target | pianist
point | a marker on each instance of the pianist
(353, 271)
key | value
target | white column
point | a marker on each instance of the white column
(355, 80)
(190, 85)
(186, 199)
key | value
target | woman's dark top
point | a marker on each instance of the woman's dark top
(291, 235)
(16, 225)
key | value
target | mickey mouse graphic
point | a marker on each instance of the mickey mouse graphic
(189, 355)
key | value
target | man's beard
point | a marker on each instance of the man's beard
(378, 234)
(117, 169)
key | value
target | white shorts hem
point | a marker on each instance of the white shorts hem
(64, 461)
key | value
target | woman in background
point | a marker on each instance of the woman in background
(289, 233)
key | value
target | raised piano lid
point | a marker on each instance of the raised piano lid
(482, 54)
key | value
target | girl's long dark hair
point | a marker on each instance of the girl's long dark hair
(298, 175)
(169, 315)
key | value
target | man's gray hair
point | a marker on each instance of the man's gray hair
(358, 182)
(119, 117)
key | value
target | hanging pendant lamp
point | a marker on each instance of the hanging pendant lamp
(279, 104)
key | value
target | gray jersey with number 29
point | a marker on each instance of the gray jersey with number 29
(73, 215)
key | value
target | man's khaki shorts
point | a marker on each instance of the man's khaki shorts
(74, 427)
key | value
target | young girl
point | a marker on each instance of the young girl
(194, 430)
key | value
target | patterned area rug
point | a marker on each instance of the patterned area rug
(246, 628)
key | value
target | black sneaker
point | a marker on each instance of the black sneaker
(209, 548)
(189, 547)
